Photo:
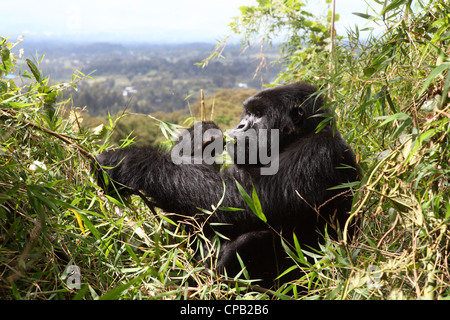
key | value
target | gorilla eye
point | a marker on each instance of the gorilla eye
(257, 113)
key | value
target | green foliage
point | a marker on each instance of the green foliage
(390, 96)
(53, 217)
(389, 93)
(305, 37)
(253, 202)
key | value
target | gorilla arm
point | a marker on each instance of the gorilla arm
(175, 188)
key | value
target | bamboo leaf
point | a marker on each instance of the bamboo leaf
(80, 222)
(398, 116)
(301, 257)
(253, 202)
(445, 89)
(117, 292)
(363, 15)
(6, 58)
(257, 205)
(246, 197)
(433, 74)
(392, 6)
(244, 269)
(34, 70)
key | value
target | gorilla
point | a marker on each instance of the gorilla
(299, 196)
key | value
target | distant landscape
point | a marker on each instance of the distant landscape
(165, 79)
(156, 77)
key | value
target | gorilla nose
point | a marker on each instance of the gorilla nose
(242, 126)
(239, 129)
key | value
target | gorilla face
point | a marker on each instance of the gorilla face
(252, 136)
(254, 115)
(276, 115)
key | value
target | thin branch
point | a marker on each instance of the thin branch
(332, 33)
(51, 132)
(202, 106)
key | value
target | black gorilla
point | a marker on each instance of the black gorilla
(299, 198)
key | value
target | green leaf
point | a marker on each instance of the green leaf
(433, 74)
(20, 105)
(301, 257)
(244, 10)
(34, 70)
(427, 135)
(90, 226)
(245, 195)
(363, 15)
(243, 268)
(397, 116)
(132, 254)
(445, 89)
(264, 3)
(257, 205)
(6, 58)
(390, 102)
(3, 86)
(296, 257)
(117, 292)
(369, 71)
(229, 209)
(392, 6)
(253, 202)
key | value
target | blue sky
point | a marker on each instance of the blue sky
(140, 20)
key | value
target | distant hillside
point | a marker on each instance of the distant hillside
(162, 80)
(224, 107)
(148, 78)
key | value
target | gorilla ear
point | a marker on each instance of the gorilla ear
(300, 112)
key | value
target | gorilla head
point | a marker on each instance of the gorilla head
(274, 115)
(288, 108)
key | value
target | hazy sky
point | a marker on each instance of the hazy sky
(142, 20)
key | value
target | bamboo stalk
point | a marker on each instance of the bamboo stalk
(202, 106)
(332, 32)
(11, 114)
(212, 109)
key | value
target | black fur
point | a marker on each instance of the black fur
(309, 165)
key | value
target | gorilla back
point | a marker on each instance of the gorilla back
(299, 198)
